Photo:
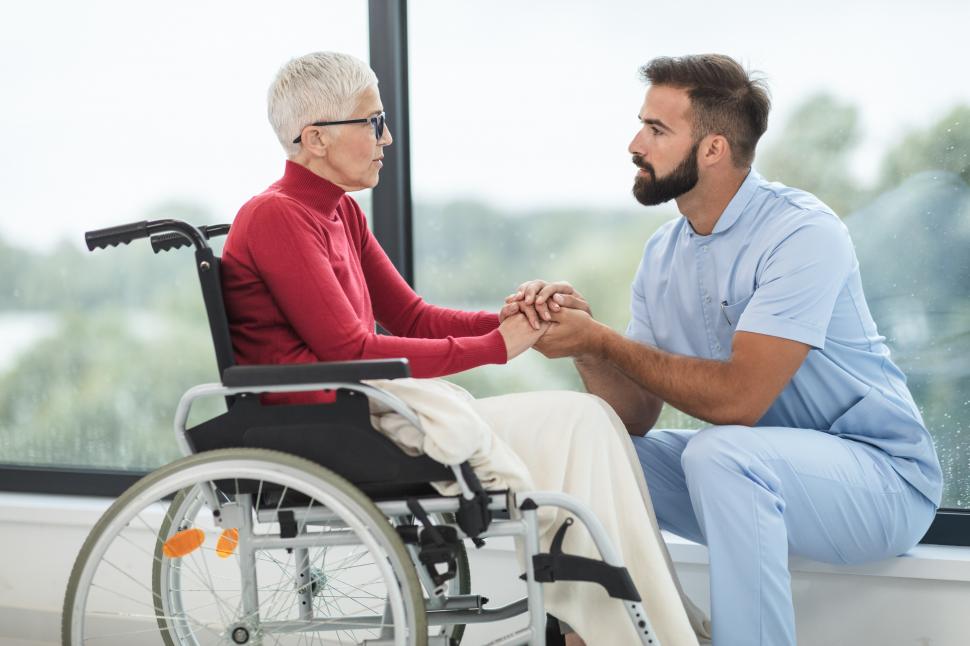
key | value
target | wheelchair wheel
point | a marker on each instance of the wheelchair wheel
(301, 556)
(167, 573)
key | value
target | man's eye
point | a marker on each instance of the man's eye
(656, 130)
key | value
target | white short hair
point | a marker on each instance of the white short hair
(322, 86)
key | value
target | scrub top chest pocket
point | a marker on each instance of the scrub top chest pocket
(727, 323)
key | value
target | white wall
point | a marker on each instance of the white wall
(864, 610)
(919, 600)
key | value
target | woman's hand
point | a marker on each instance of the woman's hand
(519, 335)
(508, 309)
(536, 298)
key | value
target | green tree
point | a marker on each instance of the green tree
(942, 146)
(131, 337)
(812, 152)
(103, 390)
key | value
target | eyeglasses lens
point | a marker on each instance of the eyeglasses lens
(378, 123)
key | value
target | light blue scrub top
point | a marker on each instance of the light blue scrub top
(780, 262)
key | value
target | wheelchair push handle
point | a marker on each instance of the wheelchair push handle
(113, 236)
(125, 233)
(167, 241)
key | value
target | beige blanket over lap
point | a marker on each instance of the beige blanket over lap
(556, 441)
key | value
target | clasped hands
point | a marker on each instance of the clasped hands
(552, 317)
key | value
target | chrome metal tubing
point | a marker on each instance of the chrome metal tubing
(519, 638)
(537, 609)
(247, 565)
(316, 539)
(514, 609)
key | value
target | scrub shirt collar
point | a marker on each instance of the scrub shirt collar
(737, 204)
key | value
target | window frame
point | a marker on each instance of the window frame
(391, 215)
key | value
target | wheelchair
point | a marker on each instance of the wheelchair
(300, 524)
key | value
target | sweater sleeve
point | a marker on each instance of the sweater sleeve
(400, 310)
(292, 256)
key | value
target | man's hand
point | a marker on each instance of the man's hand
(572, 333)
(537, 299)
(519, 335)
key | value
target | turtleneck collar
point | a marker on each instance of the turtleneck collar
(309, 188)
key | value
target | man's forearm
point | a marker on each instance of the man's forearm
(703, 388)
(637, 408)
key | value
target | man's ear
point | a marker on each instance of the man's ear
(713, 149)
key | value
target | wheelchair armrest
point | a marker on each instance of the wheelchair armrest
(295, 374)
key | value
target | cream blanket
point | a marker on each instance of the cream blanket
(556, 441)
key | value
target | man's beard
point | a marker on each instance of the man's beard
(651, 191)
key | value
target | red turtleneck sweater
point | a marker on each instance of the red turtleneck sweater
(304, 280)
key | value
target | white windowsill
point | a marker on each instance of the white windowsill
(935, 562)
(932, 562)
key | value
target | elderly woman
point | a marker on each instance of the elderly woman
(304, 278)
(305, 281)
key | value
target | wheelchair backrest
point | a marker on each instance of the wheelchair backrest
(209, 268)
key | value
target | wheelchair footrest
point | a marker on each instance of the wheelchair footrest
(558, 566)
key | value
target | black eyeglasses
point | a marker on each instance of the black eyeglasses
(376, 122)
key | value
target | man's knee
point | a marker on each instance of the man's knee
(719, 447)
(660, 446)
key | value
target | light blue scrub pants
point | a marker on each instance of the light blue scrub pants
(756, 495)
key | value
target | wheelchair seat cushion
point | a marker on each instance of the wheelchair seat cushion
(337, 436)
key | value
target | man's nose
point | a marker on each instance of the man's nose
(386, 139)
(634, 148)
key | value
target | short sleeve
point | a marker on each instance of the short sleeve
(800, 281)
(640, 329)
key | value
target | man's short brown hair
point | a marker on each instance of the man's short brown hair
(724, 98)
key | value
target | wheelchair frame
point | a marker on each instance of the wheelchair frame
(242, 383)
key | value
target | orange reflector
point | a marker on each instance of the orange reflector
(183, 543)
(227, 543)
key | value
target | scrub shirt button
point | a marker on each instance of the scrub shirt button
(707, 299)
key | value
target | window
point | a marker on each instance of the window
(522, 113)
(117, 112)
(521, 170)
